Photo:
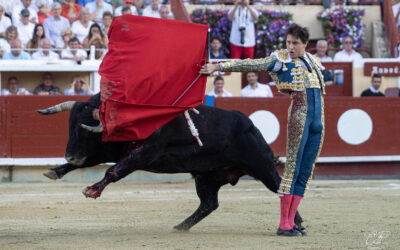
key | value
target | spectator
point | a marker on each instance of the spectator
(97, 8)
(78, 87)
(54, 25)
(126, 11)
(73, 51)
(164, 12)
(376, 81)
(107, 20)
(43, 12)
(322, 48)
(4, 47)
(66, 34)
(16, 52)
(242, 38)
(254, 88)
(215, 50)
(38, 35)
(95, 38)
(117, 3)
(25, 28)
(219, 90)
(129, 4)
(70, 10)
(11, 34)
(81, 27)
(9, 5)
(46, 87)
(24, 4)
(13, 89)
(153, 10)
(45, 52)
(5, 22)
(348, 54)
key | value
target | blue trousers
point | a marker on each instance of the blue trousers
(305, 134)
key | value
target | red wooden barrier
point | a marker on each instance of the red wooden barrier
(383, 112)
(28, 134)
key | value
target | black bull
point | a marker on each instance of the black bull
(233, 147)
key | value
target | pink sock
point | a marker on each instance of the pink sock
(285, 206)
(293, 208)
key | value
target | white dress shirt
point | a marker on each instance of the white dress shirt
(262, 90)
(148, 11)
(25, 32)
(5, 22)
(80, 31)
(92, 7)
(224, 93)
(39, 55)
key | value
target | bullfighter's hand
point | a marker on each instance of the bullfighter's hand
(209, 68)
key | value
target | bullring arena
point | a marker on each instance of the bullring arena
(345, 214)
(352, 203)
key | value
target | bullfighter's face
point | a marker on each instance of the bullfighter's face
(295, 46)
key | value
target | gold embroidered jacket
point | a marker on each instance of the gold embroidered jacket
(288, 73)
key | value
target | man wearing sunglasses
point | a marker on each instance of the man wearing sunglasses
(348, 54)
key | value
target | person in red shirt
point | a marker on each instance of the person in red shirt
(44, 12)
(70, 10)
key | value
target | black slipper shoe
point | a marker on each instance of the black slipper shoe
(288, 232)
(300, 229)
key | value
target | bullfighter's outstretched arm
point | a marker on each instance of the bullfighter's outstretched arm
(268, 63)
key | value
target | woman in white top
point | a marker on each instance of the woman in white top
(81, 27)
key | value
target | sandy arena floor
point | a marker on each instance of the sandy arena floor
(337, 214)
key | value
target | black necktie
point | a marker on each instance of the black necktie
(306, 63)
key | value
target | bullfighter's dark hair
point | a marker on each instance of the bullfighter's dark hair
(375, 75)
(217, 38)
(218, 78)
(12, 78)
(256, 73)
(298, 32)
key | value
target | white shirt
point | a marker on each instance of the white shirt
(92, 7)
(40, 56)
(4, 23)
(20, 91)
(324, 59)
(16, 15)
(118, 11)
(80, 31)
(67, 53)
(262, 90)
(53, 28)
(224, 93)
(148, 11)
(342, 56)
(4, 45)
(9, 5)
(243, 18)
(25, 32)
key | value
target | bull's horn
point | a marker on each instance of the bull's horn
(64, 106)
(95, 129)
(95, 115)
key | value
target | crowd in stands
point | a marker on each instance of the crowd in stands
(64, 29)
(78, 86)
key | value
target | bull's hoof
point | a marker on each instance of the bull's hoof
(182, 228)
(89, 192)
(51, 174)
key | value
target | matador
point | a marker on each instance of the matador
(298, 74)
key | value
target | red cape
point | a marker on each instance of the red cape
(149, 64)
